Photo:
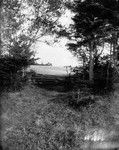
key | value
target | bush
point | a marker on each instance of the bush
(11, 73)
(103, 78)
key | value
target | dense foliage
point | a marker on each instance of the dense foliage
(93, 38)
(22, 24)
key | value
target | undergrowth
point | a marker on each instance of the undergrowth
(36, 119)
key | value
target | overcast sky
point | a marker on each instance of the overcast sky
(58, 56)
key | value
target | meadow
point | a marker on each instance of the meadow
(49, 70)
(40, 119)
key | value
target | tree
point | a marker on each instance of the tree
(94, 22)
(20, 29)
(38, 21)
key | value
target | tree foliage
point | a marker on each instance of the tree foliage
(95, 25)
(23, 23)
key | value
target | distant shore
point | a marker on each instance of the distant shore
(49, 70)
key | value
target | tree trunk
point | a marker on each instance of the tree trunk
(0, 28)
(91, 63)
(83, 69)
(115, 43)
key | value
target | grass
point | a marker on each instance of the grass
(38, 119)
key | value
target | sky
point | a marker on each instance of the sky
(58, 55)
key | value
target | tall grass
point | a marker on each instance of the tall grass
(37, 119)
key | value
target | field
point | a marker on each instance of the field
(49, 70)
(50, 76)
(38, 119)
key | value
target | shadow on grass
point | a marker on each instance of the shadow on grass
(54, 87)
(66, 99)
